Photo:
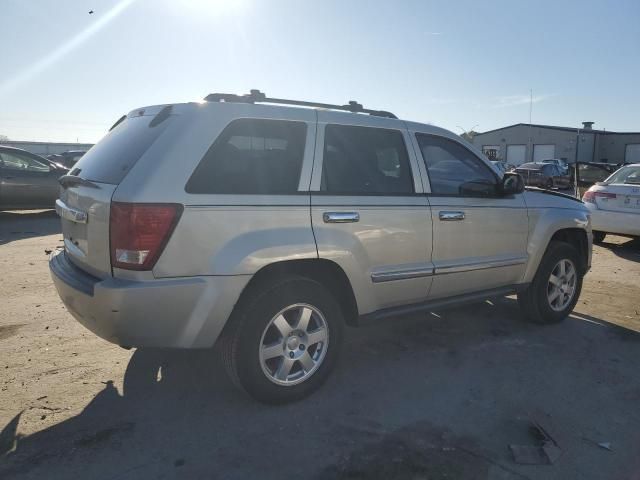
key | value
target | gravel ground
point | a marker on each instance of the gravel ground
(441, 396)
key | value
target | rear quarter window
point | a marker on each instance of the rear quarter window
(252, 156)
(114, 156)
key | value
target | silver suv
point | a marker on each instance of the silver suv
(266, 228)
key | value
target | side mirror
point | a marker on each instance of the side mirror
(512, 183)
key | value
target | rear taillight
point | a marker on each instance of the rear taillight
(590, 196)
(139, 233)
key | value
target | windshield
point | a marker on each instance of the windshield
(627, 175)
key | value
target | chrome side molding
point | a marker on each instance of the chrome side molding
(404, 274)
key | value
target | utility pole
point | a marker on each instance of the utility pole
(530, 141)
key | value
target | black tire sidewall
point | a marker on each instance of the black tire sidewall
(255, 318)
(557, 252)
(598, 237)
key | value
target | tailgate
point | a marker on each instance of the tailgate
(84, 211)
(85, 198)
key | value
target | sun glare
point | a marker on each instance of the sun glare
(207, 7)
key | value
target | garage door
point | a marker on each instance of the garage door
(516, 154)
(632, 153)
(543, 152)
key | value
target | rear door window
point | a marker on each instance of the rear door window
(252, 156)
(365, 161)
(113, 157)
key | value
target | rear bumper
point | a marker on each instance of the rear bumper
(175, 312)
(614, 222)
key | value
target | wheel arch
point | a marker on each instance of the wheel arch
(557, 225)
(577, 237)
(324, 271)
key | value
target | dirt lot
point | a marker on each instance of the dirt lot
(436, 397)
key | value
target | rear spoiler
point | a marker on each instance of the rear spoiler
(70, 180)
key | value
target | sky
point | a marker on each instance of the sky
(67, 75)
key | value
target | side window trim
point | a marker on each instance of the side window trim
(423, 162)
(318, 163)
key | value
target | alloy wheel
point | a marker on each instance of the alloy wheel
(294, 344)
(562, 285)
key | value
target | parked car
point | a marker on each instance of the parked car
(68, 158)
(561, 164)
(590, 173)
(27, 180)
(268, 228)
(615, 204)
(544, 175)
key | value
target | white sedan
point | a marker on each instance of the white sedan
(615, 204)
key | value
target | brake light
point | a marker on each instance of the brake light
(139, 232)
(590, 196)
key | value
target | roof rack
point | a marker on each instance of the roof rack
(256, 96)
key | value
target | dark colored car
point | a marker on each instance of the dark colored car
(27, 180)
(68, 158)
(543, 175)
(590, 173)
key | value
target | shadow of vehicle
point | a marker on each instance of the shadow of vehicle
(18, 225)
(440, 397)
(629, 250)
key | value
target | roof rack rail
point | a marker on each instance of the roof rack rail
(256, 96)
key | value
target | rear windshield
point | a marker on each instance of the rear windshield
(629, 175)
(111, 158)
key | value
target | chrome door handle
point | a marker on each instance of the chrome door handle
(341, 217)
(451, 216)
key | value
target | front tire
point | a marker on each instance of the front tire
(284, 340)
(598, 237)
(556, 286)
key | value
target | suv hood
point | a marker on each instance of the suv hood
(540, 198)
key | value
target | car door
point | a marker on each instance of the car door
(26, 181)
(368, 210)
(479, 235)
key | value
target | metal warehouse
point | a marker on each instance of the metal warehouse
(523, 142)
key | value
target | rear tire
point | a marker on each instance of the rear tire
(549, 184)
(553, 294)
(598, 237)
(280, 362)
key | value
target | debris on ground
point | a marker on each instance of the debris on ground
(546, 452)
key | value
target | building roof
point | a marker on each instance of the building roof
(565, 129)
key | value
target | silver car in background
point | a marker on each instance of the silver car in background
(266, 228)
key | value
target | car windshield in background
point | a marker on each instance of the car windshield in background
(628, 175)
(590, 174)
(111, 158)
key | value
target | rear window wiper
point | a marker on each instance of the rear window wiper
(71, 180)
